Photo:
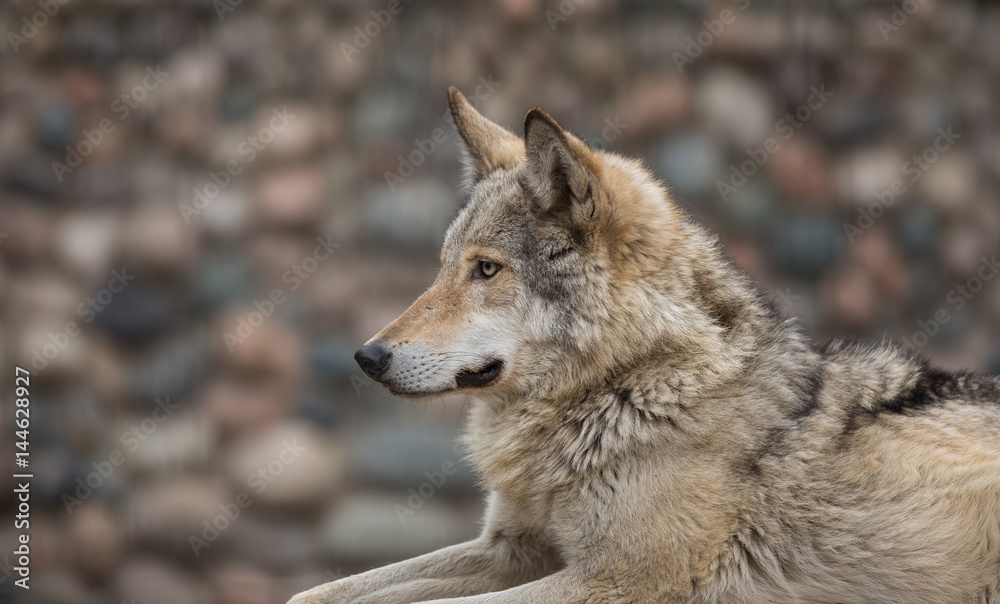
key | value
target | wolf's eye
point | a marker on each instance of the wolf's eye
(485, 269)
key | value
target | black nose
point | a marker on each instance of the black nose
(374, 359)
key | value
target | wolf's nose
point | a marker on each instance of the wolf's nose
(374, 359)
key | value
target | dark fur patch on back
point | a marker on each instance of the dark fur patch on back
(810, 398)
(774, 442)
(933, 387)
(723, 308)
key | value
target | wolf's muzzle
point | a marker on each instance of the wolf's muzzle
(374, 359)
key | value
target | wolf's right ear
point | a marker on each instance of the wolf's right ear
(487, 146)
(557, 170)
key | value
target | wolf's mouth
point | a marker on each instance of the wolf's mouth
(484, 376)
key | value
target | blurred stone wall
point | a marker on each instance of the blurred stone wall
(206, 206)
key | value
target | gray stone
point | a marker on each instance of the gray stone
(400, 456)
(369, 528)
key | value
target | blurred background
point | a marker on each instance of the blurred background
(207, 206)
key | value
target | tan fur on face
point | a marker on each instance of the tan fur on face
(661, 434)
(453, 327)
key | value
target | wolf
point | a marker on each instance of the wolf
(651, 430)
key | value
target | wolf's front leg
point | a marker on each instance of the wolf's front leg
(479, 566)
(563, 587)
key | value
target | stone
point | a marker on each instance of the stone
(291, 195)
(414, 216)
(153, 582)
(92, 39)
(400, 456)
(218, 280)
(57, 587)
(237, 406)
(30, 232)
(950, 182)
(801, 170)
(238, 103)
(156, 32)
(652, 104)
(368, 529)
(52, 349)
(918, 230)
(321, 408)
(751, 209)
(163, 514)
(279, 545)
(171, 368)
(85, 242)
(299, 137)
(691, 163)
(381, 116)
(250, 343)
(333, 357)
(242, 584)
(55, 126)
(156, 239)
(185, 441)
(851, 297)
(520, 11)
(136, 314)
(96, 541)
(289, 465)
(806, 244)
(228, 215)
(32, 179)
(101, 183)
(868, 171)
(737, 107)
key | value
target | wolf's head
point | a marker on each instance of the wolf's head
(563, 263)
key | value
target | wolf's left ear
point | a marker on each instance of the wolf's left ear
(556, 170)
(488, 146)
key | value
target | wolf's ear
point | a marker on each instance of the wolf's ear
(488, 146)
(556, 171)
